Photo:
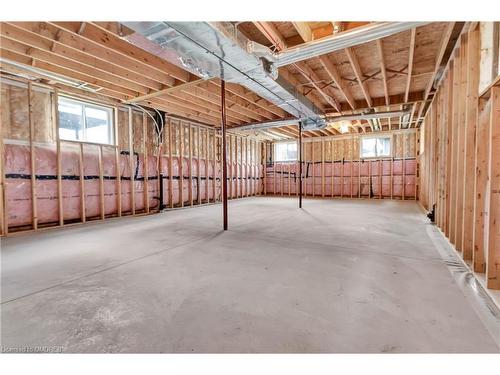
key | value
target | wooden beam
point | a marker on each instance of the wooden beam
(255, 99)
(99, 36)
(383, 70)
(311, 94)
(335, 77)
(73, 44)
(304, 31)
(442, 49)
(276, 39)
(410, 62)
(359, 74)
(243, 106)
(272, 34)
(44, 42)
(313, 79)
(168, 90)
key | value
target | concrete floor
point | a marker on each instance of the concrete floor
(337, 276)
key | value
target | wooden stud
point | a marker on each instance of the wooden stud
(403, 161)
(264, 146)
(370, 179)
(352, 162)
(342, 176)
(282, 167)
(58, 156)
(253, 161)
(493, 259)
(207, 162)
(274, 168)
(198, 157)
(181, 163)
(248, 167)
(118, 171)
(170, 165)
(461, 147)
(244, 165)
(380, 176)
(481, 183)
(4, 223)
(131, 161)
(101, 183)
(239, 156)
(332, 157)
(145, 156)
(237, 174)
(471, 115)
(214, 166)
(313, 167)
(231, 167)
(34, 199)
(417, 134)
(359, 178)
(322, 168)
(190, 161)
(454, 142)
(83, 214)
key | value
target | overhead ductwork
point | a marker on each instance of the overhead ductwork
(368, 115)
(219, 50)
(342, 40)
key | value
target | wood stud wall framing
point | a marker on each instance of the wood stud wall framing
(132, 136)
(460, 171)
(335, 161)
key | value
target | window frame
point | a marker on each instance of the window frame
(285, 161)
(93, 105)
(390, 137)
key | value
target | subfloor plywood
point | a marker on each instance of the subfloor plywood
(336, 276)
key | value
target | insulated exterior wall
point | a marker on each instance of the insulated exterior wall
(143, 172)
(334, 168)
(460, 160)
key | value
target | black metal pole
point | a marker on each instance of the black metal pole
(224, 156)
(300, 164)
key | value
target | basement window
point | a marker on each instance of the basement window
(375, 147)
(85, 122)
(285, 151)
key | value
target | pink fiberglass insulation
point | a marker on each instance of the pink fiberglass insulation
(368, 178)
(19, 193)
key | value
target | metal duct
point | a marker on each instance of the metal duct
(219, 50)
(267, 125)
(368, 115)
(346, 39)
(329, 119)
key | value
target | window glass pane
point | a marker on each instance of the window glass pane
(97, 124)
(81, 121)
(70, 120)
(291, 151)
(383, 146)
(374, 147)
(368, 147)
(285, 151)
